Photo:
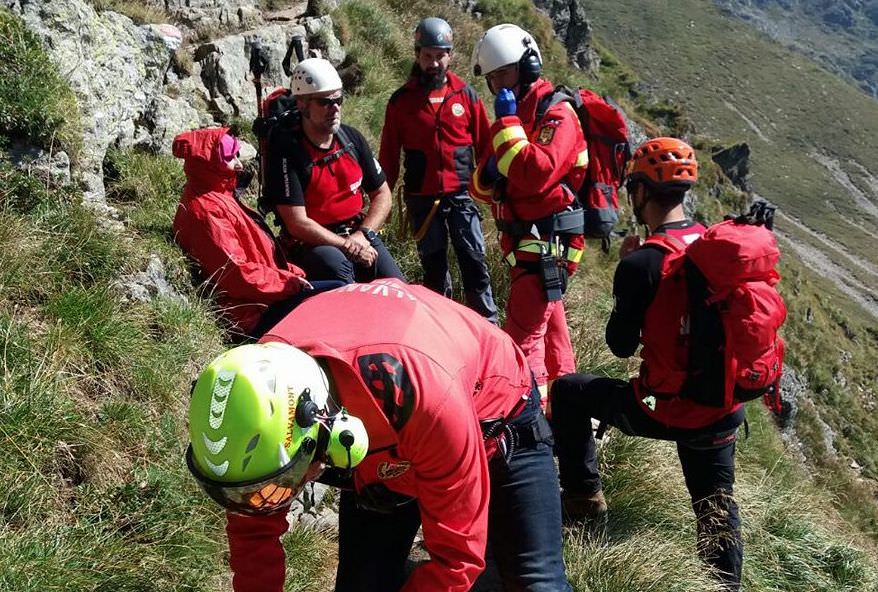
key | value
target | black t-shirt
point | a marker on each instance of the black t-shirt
(333, 190)
(634, 287)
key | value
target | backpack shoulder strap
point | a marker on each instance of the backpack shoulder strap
(559, 95)
(347, 142)
(665, 242)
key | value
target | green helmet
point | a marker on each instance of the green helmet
(255, 421)
(242, 413)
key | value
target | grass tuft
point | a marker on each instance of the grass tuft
(36, 104)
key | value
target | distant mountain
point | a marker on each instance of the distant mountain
(840, 34)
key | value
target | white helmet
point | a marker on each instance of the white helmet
(506, 44)
(314, 75)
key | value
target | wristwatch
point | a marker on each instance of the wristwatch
(370, 234)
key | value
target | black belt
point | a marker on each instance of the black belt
(346, 227)
(566, 222)
(511, 437)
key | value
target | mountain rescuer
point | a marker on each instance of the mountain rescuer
(437, 120)
(530, 179)
(423, 413)
(660, 173)
(316, 177)
(234, 248)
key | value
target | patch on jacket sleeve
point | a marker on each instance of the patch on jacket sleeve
(392, 470)
(547, 132)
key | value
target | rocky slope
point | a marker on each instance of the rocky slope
(842, 35)
(141, 84)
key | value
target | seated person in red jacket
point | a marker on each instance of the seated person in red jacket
(317, 180)
(235, 249)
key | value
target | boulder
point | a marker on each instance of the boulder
(225, 68)
(735, 163)
(793, 388)
(115, 68)
(207, 16)
(146, 285)
(50, 167)
(573, 29)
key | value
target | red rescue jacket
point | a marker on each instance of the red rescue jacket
(438, 143)
(544, 163)
(227, 239)
(437, 368)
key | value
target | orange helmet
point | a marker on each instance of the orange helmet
(665, 164)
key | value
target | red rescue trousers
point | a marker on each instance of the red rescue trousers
(539, 327)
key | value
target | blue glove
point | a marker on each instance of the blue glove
(504, 103)
(490, 172)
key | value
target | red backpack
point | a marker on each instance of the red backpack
(713, 336)
(609, 149)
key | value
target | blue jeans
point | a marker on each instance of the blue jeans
(524, 527)
(325, 262)
(456, 217)
(707, 457)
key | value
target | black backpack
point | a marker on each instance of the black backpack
(280, 127)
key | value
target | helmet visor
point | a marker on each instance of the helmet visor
(268, 495)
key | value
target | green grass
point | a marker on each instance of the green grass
(93, 389)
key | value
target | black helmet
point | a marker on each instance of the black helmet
(433, 32)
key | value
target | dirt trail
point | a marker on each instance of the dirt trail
(866, 205)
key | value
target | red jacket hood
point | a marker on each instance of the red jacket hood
(201, 161)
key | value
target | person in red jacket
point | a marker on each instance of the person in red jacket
(452, 439)
(318, 179)
(437, 120)
(660, 173)
(230, 242)
(538, 162)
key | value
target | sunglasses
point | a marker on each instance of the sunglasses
(327, 102)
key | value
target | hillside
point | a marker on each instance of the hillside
(839, 35)
(95, 374)
(812, 134)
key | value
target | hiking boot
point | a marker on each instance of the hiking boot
(576, 506)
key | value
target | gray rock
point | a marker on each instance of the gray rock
(247, 152)
(225, 68)
(793, 388)
(149, 284)
(51, 167)
(322, 38)
(309, 509)
(573, 29)
(735, 163)
(212, 15)
(115, 68)
(168, 117)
